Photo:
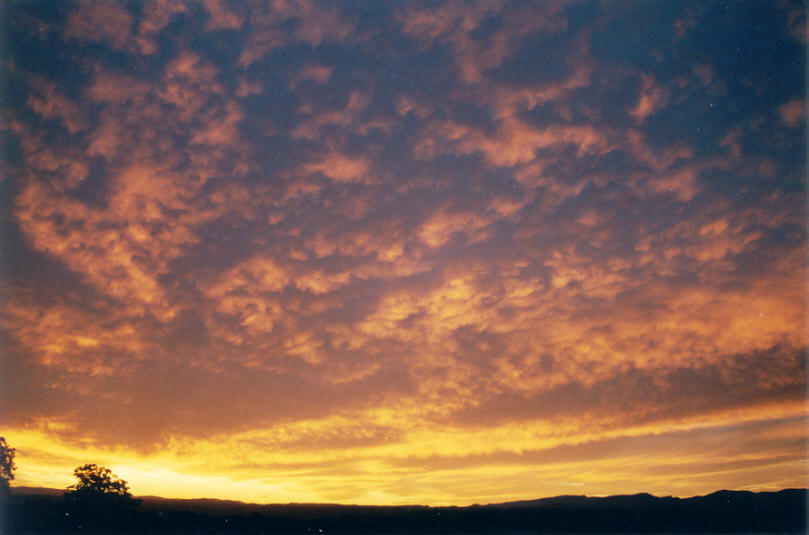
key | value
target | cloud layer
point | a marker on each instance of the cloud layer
(477, 251)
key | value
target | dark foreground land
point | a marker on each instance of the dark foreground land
(720, 512)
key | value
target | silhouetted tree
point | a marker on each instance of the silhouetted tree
(99, 501)
(99, 484)
(7, 466)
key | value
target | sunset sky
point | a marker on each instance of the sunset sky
(405, 252)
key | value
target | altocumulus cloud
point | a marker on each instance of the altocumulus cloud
(389, 253)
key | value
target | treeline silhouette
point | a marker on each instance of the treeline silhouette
(720, 512)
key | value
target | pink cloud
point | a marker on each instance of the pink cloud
(406, 105)
(247, 87)
(220, 17)
(310, 127)
(796, 23)
(107, 22)
(320, 74)
(508, 101)
(316, 23)
(682, 183)
(112, 24)
(342, 168)
(220, 128)
(454, 22)
(514, 142)
(157, 14)
(650, 100)
(189, 82)
(793, 112)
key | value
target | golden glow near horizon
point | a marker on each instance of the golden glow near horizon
(467, 253)
(487, 465)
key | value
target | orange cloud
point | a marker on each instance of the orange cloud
(46, 101)
(342, 168)
(437, 230)
(124, 247)
(475, 254)
(71, 339)
(514, 142)
(108, 258)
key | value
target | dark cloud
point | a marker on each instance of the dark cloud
(736, 381)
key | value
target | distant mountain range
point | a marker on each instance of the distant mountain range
(41, 510)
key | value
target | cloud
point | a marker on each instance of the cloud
(71, 339)
(47, 102)
(796, 24)
(220, 17)
(651, 97)
(319, 74)
(455, 23)
(156, 15)
(513, 143)
(109, 258)
(116, 26)
(313, 22)
(317, 120)
(436, 231)
(792, 112)
(124, 246)
(110, 23)
(341, 168)
(638, 397)
(404, 254)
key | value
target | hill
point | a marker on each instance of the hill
(43, 511)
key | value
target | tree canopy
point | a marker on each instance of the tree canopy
(98, 483)
(7, 465)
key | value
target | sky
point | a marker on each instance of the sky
(405, 252)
